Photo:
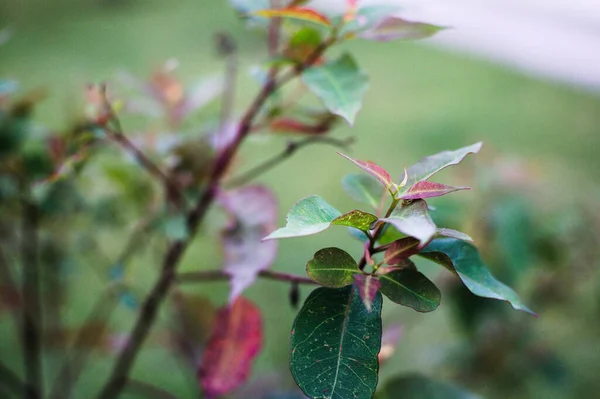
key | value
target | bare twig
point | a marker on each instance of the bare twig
(151, 304)
(289, 150)
(215, 275)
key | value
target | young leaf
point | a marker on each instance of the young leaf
(463, 258)
(373, 169)
(334, 345)
(410, 288)
(357, 219)
(332, 267)
(401, 249)
(432, 164)
(393, 28)
(413, 220)
(453, 234)
(427, 189)
(363, 188)
(367, 287)
(340, 85)
(298, 13)
(233, 345)
(308, 216)
(414, 386)
(253, 211)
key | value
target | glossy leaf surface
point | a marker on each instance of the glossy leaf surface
(427, 189)
(340, 85)
(334, 345)
(453, 234)
(357, 219)
(367, 286)
(411, 288)
(414, 386)
(308, 216)
(363, 188)
(373, 169)
(413, 220)
(463, 258)
(401, 249)
(332, 267)
(233, 345)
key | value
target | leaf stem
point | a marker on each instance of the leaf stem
(375, 236)
(216, 275)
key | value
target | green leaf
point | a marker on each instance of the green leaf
(334, 345)
(411, 288)
(357, 219)
(413, 220)
(363, 188)
(374, 170)
(415, 386)
(332, 267)
(393, 28)
(175, 227)
(308, 216)
(432, 164)
(340, 84)
(463, 258)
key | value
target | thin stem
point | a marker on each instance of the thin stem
(289, 150)
(155, 298)
(375, 236)
(30, 292)
(216, 275)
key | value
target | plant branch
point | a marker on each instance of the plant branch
(289, 150)
(216, 275)
(10, 293)
(30, 293)
(375, 236)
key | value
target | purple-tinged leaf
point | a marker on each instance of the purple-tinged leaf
(234, 343)
(389, 340)
(393, 28)
(253, 213)
(427, 189)
(372, 168)
(454, 234)
(367, 288)
(310, 215)
(401, 249)
(413, 220)
(432, 164)
(357, 219)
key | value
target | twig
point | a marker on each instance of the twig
(215, 275)
(30, 292)
(149, 309)
(289, 150)
(11, 287)
(11, 381)
(375, 236)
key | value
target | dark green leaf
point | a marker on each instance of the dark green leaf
(334, 345)
(413, 220)
(332, 267)
(308, 216)
(357, 219)
(340, 84)
(463, 258)
(420, 387)
(411, 288)
(363, 188)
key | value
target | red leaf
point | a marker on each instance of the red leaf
(400, 250)
(235, 341)
(367, 288)
(427, 189)
(380, 173)
(301, 13)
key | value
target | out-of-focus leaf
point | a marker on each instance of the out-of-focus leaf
(297, 13)
(415, 386)
(233, 345)
(8, 86)
(432, 164)
(308, 216)
(334, 345)
(367, 287)
(357, 219)
(427, 189)
(332, 267)
(463, 258)
(393, 28)
(413, 220)
(363, 188)
(340, 85)
(409, 287)
(401, 249)
(389, 340)
(357, 234)
(194, 320)
(302, 44)
(453, 234)
(373, 169)
(367, 18)
(253, 211)
(175, 227)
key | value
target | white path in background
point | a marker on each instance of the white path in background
(555, 39)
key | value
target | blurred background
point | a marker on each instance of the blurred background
(522, 77)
